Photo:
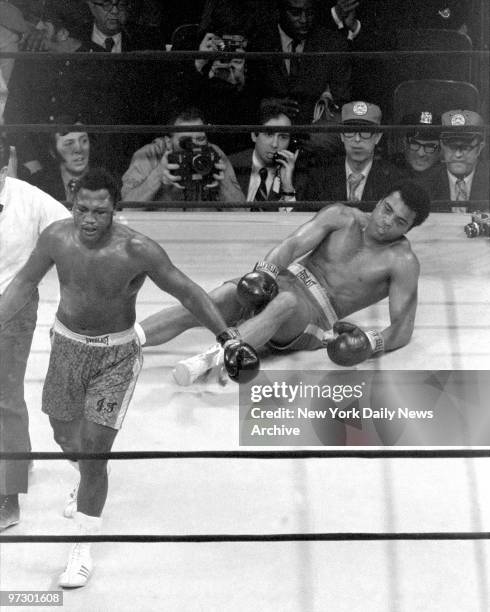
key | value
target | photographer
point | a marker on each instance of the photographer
(218, 87)
(181, 166)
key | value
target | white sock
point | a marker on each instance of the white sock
(86, 524)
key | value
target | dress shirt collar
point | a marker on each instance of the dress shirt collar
(364, 172)
(99, 39)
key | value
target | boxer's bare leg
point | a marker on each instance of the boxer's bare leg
(170, 322)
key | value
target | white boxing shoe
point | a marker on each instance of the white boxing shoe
(78, 568)
(189, 370)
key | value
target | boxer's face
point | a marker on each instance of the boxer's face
(391, 218)
(421, 154)
(73, 150)
(461, 155)
(92, 214)
(268, 143)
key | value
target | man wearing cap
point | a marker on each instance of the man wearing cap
(358, 176)
(421, 148)
(463, 175)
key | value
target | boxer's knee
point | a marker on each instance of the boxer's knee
(66, 434)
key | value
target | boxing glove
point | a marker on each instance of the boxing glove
(240, 359)
(352, 345)
(256, 289)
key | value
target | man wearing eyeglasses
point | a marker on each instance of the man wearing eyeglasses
(421, 148)
(358, 176)
(463, 175)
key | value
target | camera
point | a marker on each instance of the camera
(196, 163)
(479, 226)
(231, 42)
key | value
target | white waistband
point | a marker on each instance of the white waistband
(122, 337)
(310, 281)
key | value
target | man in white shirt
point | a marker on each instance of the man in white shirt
(266, 172)
(25, 211)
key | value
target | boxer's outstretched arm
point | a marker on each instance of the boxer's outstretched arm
(27, 279)
(402, 301)
(309, 235)
(170, 279)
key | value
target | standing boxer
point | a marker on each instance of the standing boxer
(96, 357)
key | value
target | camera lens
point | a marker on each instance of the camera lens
(202, 163)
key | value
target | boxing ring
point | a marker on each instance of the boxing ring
(218, 497)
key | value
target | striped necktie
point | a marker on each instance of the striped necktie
(353, 182)
(461, 191)
(262, 195)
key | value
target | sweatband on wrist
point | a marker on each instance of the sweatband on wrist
(267, 267)
(140, 333)
(376, 340)
(230, 333)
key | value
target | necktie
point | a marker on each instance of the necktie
(461, 191)
(262, 195)
(293, 67)
(353, 182)
(109, 44)
(72, 183)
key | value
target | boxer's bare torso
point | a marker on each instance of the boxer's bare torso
(357, 270)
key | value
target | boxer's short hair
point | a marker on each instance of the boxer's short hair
(415, 197)
(100, 178)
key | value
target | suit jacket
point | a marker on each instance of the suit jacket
(313, 75)
(103, 92)
(50, 181)
(436, 182)
(242, 164)
(328, 182)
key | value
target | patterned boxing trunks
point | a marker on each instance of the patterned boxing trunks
(91, 376)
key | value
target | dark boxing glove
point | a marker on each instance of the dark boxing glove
(353, 345)
(241, 360)
(256, 289)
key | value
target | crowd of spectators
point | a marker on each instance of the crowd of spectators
(275, 91)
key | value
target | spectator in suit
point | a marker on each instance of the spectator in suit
(152, 176)
(266, 172)
(102, 92)
(70, 156)
(463, 175)
(296, 30)
(359, 175)
(421, 148)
